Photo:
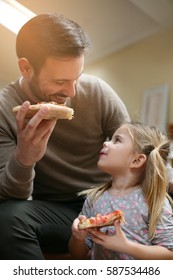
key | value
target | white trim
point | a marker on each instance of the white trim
(155, 106)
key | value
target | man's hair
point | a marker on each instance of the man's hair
(50, 35)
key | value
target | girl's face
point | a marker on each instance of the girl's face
(117, 154)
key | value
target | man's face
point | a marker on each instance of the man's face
(56, 80)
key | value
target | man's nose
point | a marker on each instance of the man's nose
(71, 89)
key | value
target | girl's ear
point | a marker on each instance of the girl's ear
(138, 161)
(25, 68)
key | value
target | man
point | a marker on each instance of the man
(50, 160)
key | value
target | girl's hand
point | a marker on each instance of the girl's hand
(80, 234)
(115, 242)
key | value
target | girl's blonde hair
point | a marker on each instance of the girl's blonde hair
(155, 145)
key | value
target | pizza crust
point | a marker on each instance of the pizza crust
(55, 111)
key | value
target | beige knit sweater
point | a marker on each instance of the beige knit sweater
(70, 162)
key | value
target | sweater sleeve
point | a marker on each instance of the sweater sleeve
(164, 229)
(16, 180)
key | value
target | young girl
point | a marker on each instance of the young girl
(136, 160)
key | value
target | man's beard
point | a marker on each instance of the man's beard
(36, 91)
(60, 97)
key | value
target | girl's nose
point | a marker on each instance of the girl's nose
(105, 144)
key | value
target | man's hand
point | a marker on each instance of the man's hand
(33, 136)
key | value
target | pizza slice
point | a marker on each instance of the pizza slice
(102, 220)
(56, 111)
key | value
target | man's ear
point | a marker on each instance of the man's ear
(138, 160)
(25, 68)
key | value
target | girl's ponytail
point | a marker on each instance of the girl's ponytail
(156, 183)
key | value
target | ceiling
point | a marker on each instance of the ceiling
(111, 25)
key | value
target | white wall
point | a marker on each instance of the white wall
(143, 65)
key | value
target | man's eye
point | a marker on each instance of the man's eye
(60, 82)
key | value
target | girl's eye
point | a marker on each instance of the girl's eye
(115, 139)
